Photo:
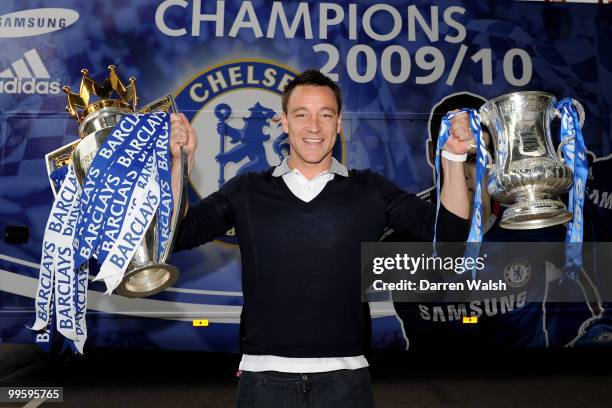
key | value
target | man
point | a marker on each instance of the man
(304, 330)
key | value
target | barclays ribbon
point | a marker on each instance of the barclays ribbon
(114, 180)
(55, 308)
(100, 186)
(157, 157)
(63, 263)
(105, 220)
(43, 337)
(476, 230)
(132, 232)
(575, 154)
(130, 166)
(80, 302)
(164, 215)
(56, 225)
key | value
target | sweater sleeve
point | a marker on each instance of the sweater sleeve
(208, 218)
(409, 215)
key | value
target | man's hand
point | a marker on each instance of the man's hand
(461, 138)
(182, 134)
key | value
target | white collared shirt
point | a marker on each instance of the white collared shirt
(306, 190)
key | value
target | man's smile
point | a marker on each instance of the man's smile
(313, 141)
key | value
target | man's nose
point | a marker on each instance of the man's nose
(314, 126)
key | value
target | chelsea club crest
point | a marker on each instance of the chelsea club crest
(517, 273)
(235, 109)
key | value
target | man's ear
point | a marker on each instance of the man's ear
(284, 123)
(339, 127)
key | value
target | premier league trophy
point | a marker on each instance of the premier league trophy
(528, 172)
(147, 272)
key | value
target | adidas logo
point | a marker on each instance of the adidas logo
(28, 75)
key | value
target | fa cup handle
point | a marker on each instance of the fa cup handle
(484, 120)
(581, 117)
(579, 109)
(560, 148)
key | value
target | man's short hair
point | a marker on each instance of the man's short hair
(311, 77)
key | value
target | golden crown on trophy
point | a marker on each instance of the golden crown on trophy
(95, 117)
(90, 87)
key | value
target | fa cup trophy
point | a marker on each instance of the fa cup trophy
(528, 173)
(148, 271)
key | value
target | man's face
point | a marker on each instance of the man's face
(312, 122)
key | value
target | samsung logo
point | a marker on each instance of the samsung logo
(27, 23)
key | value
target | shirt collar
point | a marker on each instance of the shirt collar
(335, 168)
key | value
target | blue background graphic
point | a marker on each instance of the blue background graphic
(392, 71)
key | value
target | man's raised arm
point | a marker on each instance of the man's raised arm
(211, 216)
(454, 194)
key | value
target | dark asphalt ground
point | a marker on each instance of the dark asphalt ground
(145, 378)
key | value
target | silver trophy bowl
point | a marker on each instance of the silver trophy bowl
(528, 172)
(147, 273)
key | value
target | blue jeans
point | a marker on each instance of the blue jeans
(333, 389)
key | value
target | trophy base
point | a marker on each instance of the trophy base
(147, 280)
(533, 214)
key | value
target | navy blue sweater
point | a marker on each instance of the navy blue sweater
(301, 261)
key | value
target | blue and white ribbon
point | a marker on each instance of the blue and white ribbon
(476, 228)
(43, 337)
(127, 184)
(95, 197)
(59, 228)
(63, 262)
(132, 232)
(55, 305)
(138, 143)
(162, 160)
(575, 154)
(131, 167)
(80, 301)
(150, 159)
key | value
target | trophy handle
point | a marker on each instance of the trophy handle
(487, 155)
(484, 119)
(579, 108)
(165, 104)
(560, 148)
(489, 164)
(59, 158)
(176, 217)
(168, 102)
(581, 118)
